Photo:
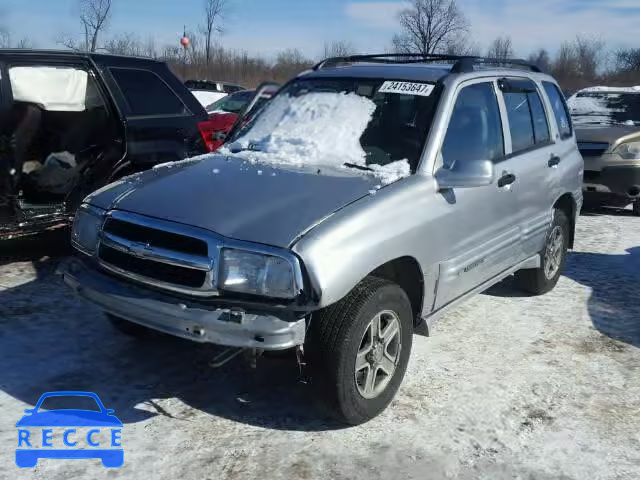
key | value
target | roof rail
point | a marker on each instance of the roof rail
(461, 63)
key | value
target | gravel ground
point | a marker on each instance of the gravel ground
(506, 387)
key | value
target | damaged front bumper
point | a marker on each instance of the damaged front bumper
(196, 322)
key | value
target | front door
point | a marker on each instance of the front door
(484, 238)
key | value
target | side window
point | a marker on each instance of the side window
(475, 129)
(527, 120)
(146, 93)
(560, 110)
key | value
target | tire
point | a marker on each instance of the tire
(340, 332)
(130, 328)
(636, 208)
(541, 280)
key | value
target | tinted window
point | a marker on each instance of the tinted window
(475, 128)
(146, 93)
(527, 119)
(540, 123)
(559, 107)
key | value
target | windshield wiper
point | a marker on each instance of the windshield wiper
(358, 167)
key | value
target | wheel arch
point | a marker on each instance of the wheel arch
(568, 205)
(407, 274)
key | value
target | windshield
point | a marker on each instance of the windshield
(605, 108)
(360, 123)
(231, 104)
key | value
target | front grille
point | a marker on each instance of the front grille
(170, 274)
(156, 238)
(158, 253)
(592, 149)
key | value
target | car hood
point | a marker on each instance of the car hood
(604, 133)
(69, 418)
(237, 199)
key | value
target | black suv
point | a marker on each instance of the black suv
(73, 122)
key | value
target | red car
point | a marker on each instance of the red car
(224, 113)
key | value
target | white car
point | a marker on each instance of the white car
(208, 92)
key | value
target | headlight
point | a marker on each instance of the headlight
(629, 151)
(255, 273)
(86, 226)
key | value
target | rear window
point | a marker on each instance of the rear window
(146, 93)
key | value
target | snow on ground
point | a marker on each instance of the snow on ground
(507, 387)
(303, 130)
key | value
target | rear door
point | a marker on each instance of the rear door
(534, 156)
(482, 226)
(161, 126)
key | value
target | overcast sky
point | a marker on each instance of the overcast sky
(267, 26)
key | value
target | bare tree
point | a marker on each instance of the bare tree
(463, 46)
(501, 48)
(213, 10)
(6, 40)
(339, 48)
(94, 17)
(430, 26)
(130, 44)
(541, 59)
(589, 53)
(628, 59)
(5, 37)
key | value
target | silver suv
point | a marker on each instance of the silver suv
(369, 196)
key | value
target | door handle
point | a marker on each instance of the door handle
(506, 179)
(553, 161)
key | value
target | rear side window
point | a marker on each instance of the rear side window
(560, 110)
(475, 129)
(146, 93)
(527, 119)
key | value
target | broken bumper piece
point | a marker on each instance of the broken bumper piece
(197, 323)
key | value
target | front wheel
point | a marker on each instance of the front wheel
(358, 349)
(553, 257)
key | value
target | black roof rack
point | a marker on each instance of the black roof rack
(461, 64)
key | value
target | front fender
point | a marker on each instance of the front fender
(349, 245)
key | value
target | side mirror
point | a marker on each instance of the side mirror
(466, 175)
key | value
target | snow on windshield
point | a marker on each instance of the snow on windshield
(318, 128)
(606, 106)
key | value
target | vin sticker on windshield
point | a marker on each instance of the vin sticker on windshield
(407, 88)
